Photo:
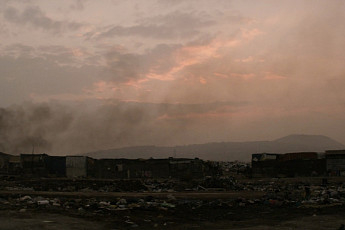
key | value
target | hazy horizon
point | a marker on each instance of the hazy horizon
(80, 75)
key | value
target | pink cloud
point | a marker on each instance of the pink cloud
(202, 80)
(250, 59)
(250, 34)
(273, 76)
(221, 75)
(193, 55)
(246, 76)
(194, 116)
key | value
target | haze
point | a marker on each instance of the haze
(78, 76)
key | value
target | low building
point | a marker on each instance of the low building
(112, 169)
(179, 168)
(56, 166)
(265, 164)
(302, 168)
(4, 163)
(80, 166)
(299, 156)
(188, 168)
(33, 164)
(15, 165)
(335, 162)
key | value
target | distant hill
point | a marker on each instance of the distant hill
(225, 151)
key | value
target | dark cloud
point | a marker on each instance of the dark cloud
(54, 128)
(124, 67)
(31, 126)
(35, 17)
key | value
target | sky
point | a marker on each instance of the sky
(82, 75)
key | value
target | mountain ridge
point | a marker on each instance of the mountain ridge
(225, 151)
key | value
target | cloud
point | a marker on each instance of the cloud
(272, 76)
(35, 17)
(126, 67)
(78, 5)
(31, 126)
(61, 129)
(24, 75)
(62, 55)
(169, 26)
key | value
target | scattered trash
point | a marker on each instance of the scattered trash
(43, 202)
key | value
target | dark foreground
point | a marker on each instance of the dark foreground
(181, 218)
(249, 204)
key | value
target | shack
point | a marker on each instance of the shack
(14, 165)
(302, 167)
(183, 168)
(80, 166)
(179, 168)
(4, 163)
(335, 162)
(298, 156)
(265, 164)
(34, 164)
(110, 169)
(132, 168)
(56, 166)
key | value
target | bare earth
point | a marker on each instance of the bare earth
(48, 221)
(245, 210)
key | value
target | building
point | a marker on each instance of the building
(335, 162)
(15, 165)
(298, 156)
(265, 164)
(34, 164)
(4, 163)
(56, 166)
(188, 168)
(151, 168)
(288, 165)
(80, 166)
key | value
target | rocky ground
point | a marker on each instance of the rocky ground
(307, 203)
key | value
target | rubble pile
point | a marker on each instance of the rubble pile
(162, 198)
(275, 193)
(75, 185)
(66, 185)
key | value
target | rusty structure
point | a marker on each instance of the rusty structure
(43, 165)
(297, 164)
(335, 162)
(181, 168)
(4, 162)
(293, 164)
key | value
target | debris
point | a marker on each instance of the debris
(43, 202)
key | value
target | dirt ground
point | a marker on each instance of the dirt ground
(245, 219)
(245, 209)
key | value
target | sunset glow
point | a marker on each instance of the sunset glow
(158, 72)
